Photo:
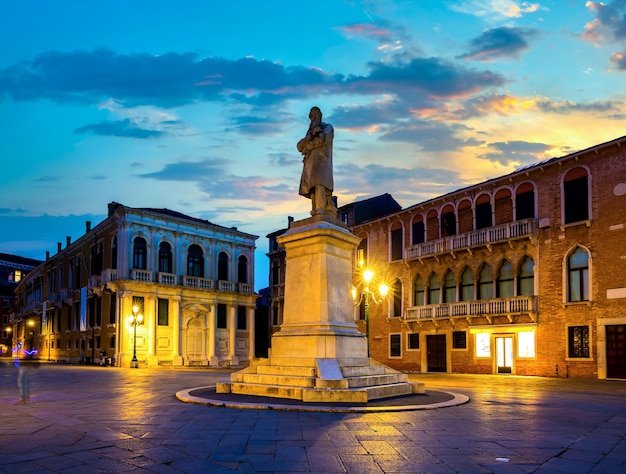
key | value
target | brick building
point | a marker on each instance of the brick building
(521, 274)
(188, 282)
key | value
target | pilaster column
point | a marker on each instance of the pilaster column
(251, 332)
(176, 323)
(212, 322)
(232, 334)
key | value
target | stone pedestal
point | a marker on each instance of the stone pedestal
(319, 354)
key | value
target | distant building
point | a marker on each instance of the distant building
(191, 281)
(12, 269)
(521, 274)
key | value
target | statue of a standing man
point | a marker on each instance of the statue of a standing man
(317, 173)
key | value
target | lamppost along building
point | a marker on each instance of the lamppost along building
(192, 282)
(521, 274)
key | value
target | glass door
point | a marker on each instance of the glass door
(504, 354)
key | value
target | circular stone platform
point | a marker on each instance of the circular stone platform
(426, 401)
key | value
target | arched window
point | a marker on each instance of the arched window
(165, 257)
(525, 202)
(466, 219)
(578, 275)
(467, 285)
(222, 267)
(433, 289)
(483, 212)
(275, 272)
(448, 221)
(417, 230)
(397, 299)
(140, 252)
(526, 278)
(506, 286)
(503, 207)
(432, 225)
(485, 283)
(361, 251)
(418, 291)
(242, 269)
(449, 288)
(575, 196)
(195, 261)
(396, 241)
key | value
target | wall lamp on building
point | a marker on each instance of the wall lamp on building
(365, 297)
(134, 320)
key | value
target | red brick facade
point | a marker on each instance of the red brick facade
(521, 274)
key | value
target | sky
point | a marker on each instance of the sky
(197, 106)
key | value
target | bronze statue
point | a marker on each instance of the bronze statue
(316, 182)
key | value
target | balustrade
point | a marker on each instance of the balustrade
(493, 307)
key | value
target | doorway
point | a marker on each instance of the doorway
(616, 351)
(436, 352)
(504, 355)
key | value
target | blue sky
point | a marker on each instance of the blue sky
(197, 106)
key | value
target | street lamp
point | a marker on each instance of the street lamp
(31, 324)
(366, 296)
(135, 319)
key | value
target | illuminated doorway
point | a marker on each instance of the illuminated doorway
(504, 355)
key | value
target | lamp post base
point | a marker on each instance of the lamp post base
(134, 364)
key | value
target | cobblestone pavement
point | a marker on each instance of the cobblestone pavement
(105, 419)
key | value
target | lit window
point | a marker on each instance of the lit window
(483, 345)
(526, 344)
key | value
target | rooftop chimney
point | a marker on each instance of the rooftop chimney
(59, 247)
(87, 226)
(289, 220)
(47, 254)
(68, 241)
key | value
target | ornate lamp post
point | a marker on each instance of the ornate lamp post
(366, 296)
(134, 320)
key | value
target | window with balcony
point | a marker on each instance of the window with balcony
(576, 196)
(485, 283)
(140, 252)
(466, 219)
(195, 261)
(221, 316)
(578, 275)
(432, 225)
(503, 208)
(525, 202)
(242, 269)
(526, 277)
(418, 291)
(483, 212)
(275, 315)
(222, 267)
(505, 285)
(433, 289)
(163, 312)
(165, 257)
(112, 307)
(242, 319)
(396, 296)
(448, 222)
(417, 231)
(396, 242)
(449, 288)
(467, 285)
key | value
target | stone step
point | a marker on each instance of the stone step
(387, 391)
(363, 370)
(259, 390)
(279, 380)
(374, 380)
(283, 370)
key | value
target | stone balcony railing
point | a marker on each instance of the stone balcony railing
(509, 307)
(482, 237)
(197, 282)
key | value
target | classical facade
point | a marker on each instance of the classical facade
(148, 285)
(522, 274)
(12, 269)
